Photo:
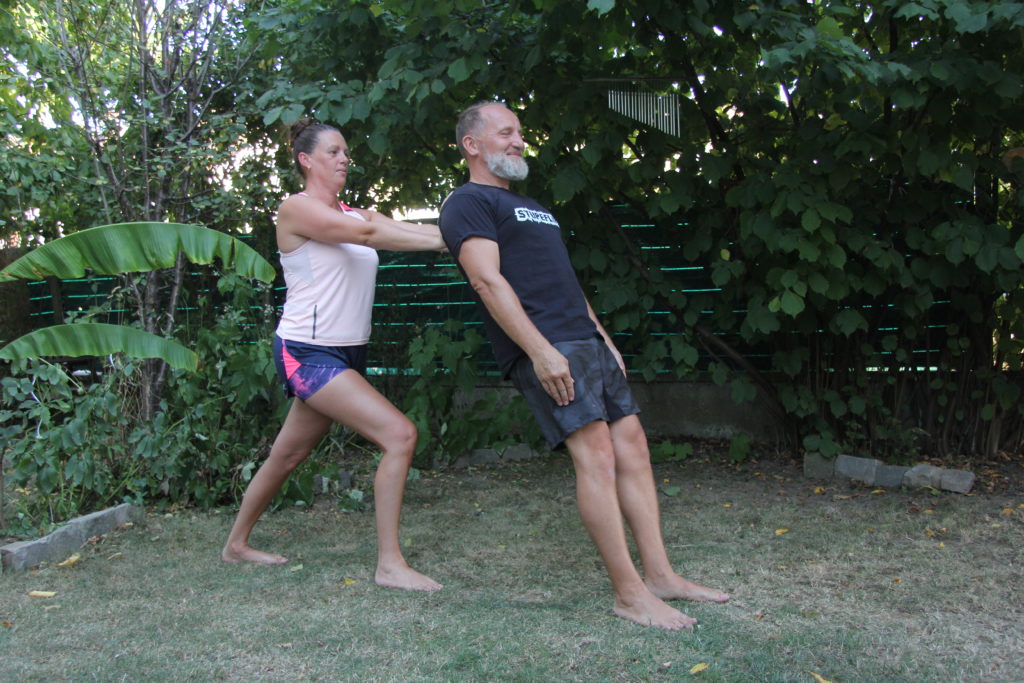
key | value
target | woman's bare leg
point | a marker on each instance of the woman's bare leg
(350, 400)
(302, 430)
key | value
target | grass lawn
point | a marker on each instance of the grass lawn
(839, 582)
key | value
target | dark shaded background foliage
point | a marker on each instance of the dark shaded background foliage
(841, 191)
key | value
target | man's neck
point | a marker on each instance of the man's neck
(484, 176)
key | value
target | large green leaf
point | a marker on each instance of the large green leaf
(136, 247)
(99, 339)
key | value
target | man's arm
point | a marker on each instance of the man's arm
(481, 260)
(607, 339)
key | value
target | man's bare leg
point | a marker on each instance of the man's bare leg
(350, 400)
(594, 460)
(638, 497)
(302, 429)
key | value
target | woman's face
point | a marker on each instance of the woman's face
(329, 160)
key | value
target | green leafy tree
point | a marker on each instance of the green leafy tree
(133, 101)
(837, 179)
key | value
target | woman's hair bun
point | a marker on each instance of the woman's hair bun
(299, 126)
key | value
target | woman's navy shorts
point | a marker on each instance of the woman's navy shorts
(304, 369)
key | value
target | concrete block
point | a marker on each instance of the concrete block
(487, 456)
(923, 475)
(64, 541)
(816, 466)
(890, 476)
(959, 481)
(858, 469)
(519, 451)
(479, 456)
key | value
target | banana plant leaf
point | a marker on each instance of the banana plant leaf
(136, 247)
(99, 339)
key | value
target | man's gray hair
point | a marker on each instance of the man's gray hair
(469, 120)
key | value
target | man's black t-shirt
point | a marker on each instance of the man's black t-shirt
(534, 260)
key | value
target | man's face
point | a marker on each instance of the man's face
(500, 143)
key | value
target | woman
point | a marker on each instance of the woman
(330, 264)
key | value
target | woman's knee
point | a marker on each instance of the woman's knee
(288, 458)
(400, 439)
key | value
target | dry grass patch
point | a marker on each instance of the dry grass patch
(899, 586)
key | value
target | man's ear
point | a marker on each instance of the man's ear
(469, 144)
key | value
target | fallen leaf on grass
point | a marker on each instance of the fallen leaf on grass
(671, 490)
(819, 490)
(697, 668)
(285, 646)
(779, 532)
(295, 568)
(41, 594)
(5, 623)
(349, 582)
(115, 556)
(760, 615)
(1007, 511)
(897, 580)
(877, 491)
(727, 505)
(818, 678)
(71, 561)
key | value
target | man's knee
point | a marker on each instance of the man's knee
(592, 451)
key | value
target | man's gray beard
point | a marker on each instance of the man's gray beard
(507, 167)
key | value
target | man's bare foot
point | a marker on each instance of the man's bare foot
(647, 609)
(405, 578)
(244, 553)
(675, 587)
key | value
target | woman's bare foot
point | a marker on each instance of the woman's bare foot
(675, 587)
(647, 609)
(406, 578)
(243, 553)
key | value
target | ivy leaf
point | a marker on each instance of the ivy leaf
(829, 28)
(458, 70)
(792, 303)
(567, 183)
(849, 321)
(967, 21)
(811, 220)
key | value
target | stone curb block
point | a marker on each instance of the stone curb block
(920, 476)
(62, 542)
(877, 473)
(858, 469)
(487, 456)
(818, 467)
(959, 481)
(890, 476)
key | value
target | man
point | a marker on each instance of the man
(547, 338)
